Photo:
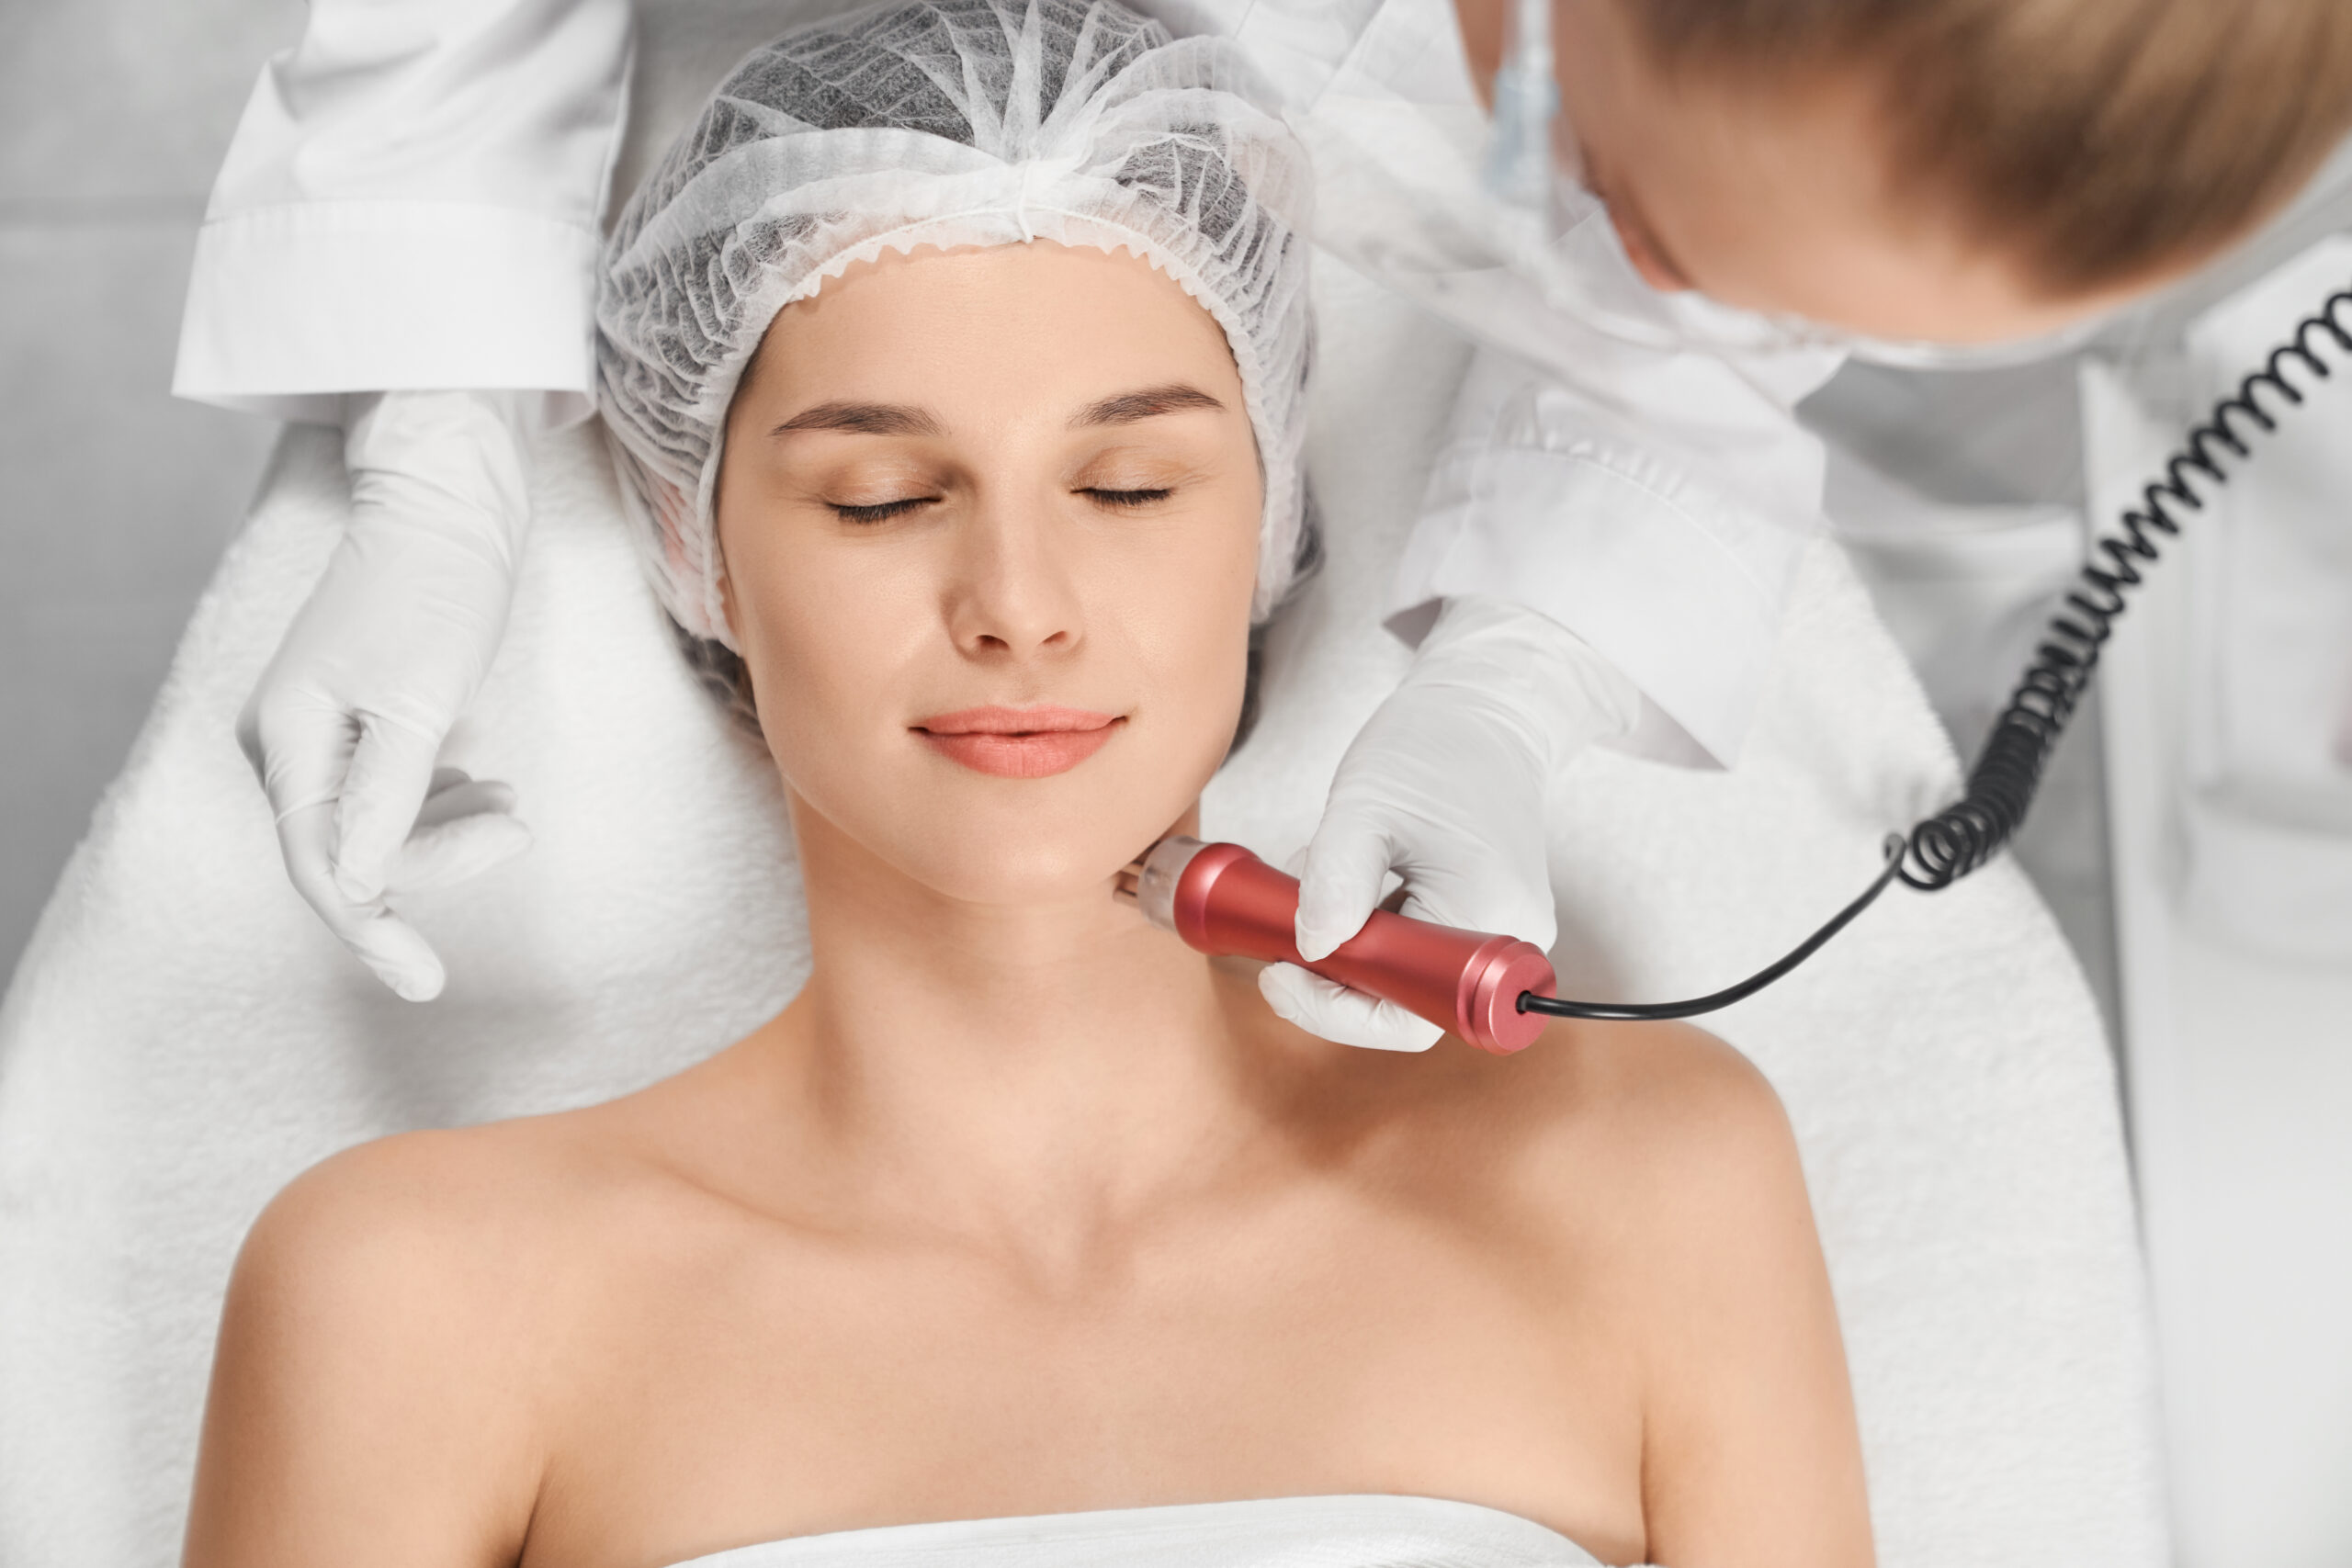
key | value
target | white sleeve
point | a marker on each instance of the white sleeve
(411, 201)
(1665, 536)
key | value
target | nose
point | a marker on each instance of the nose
(1011, 594)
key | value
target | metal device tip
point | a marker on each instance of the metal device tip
(1128, 878)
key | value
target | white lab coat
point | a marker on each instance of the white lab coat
(413, 194)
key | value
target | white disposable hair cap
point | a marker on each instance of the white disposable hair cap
(945, 123)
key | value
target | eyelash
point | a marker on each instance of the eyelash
(883, 512)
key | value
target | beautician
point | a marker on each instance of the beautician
(1732, 196)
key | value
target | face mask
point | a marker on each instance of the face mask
(1520, 168)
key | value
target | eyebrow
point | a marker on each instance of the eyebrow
(898, 419)
(1152, 401)
(862, 419)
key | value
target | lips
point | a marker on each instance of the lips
(1018, 743)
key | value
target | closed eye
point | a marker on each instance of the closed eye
(1129, 497)
(881, 512)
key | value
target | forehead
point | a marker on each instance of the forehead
(1042, 321)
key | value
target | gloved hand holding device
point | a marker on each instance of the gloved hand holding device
(346, 722)
(1446, 785)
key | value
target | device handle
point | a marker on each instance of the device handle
(1223, 899)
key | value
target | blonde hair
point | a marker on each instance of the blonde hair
(2102, 140)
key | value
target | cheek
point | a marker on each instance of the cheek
(829, 637)
(1191, 642)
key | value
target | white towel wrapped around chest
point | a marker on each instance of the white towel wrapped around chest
(1367, 1532)
(182, 1037)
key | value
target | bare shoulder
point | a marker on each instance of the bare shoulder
(1691, 1202)
(388, 1323)
(446, 1215)
(1604, 1123)
(1687, 1107)
(1666, 1116)
(464, 1248)
(422, 1263)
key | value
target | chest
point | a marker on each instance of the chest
(806, 1388)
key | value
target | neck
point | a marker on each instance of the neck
(1054, 1064)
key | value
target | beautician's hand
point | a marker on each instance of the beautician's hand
(346, 722)
(1446, 785)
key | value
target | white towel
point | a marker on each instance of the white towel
(182, 1037)
(1368, 1531)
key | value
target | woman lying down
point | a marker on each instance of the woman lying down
(1025, 1234)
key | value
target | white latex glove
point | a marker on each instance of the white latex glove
(1446, 785)
(346, 722)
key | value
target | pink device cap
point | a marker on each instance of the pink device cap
(1220, 898)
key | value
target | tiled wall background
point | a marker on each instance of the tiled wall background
(115, 499)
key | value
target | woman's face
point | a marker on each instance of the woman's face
(990, 523)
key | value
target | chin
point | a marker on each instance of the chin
(999, 841)
(1052, 852)
(1015, 872)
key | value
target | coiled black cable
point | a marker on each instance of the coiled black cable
(2001, 787)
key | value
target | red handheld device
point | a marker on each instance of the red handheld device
(1220, 898)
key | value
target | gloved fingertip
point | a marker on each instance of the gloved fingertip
(1339, 885)
(497, 795)
(402, 960)
(1333, 1012)
(395, 953)
(1401, 1032)
(409, 968)
(1329, 912)
(1320, 929)
(1277, 984)
(414, 985)
(1316, 943)
(1305, 1000)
